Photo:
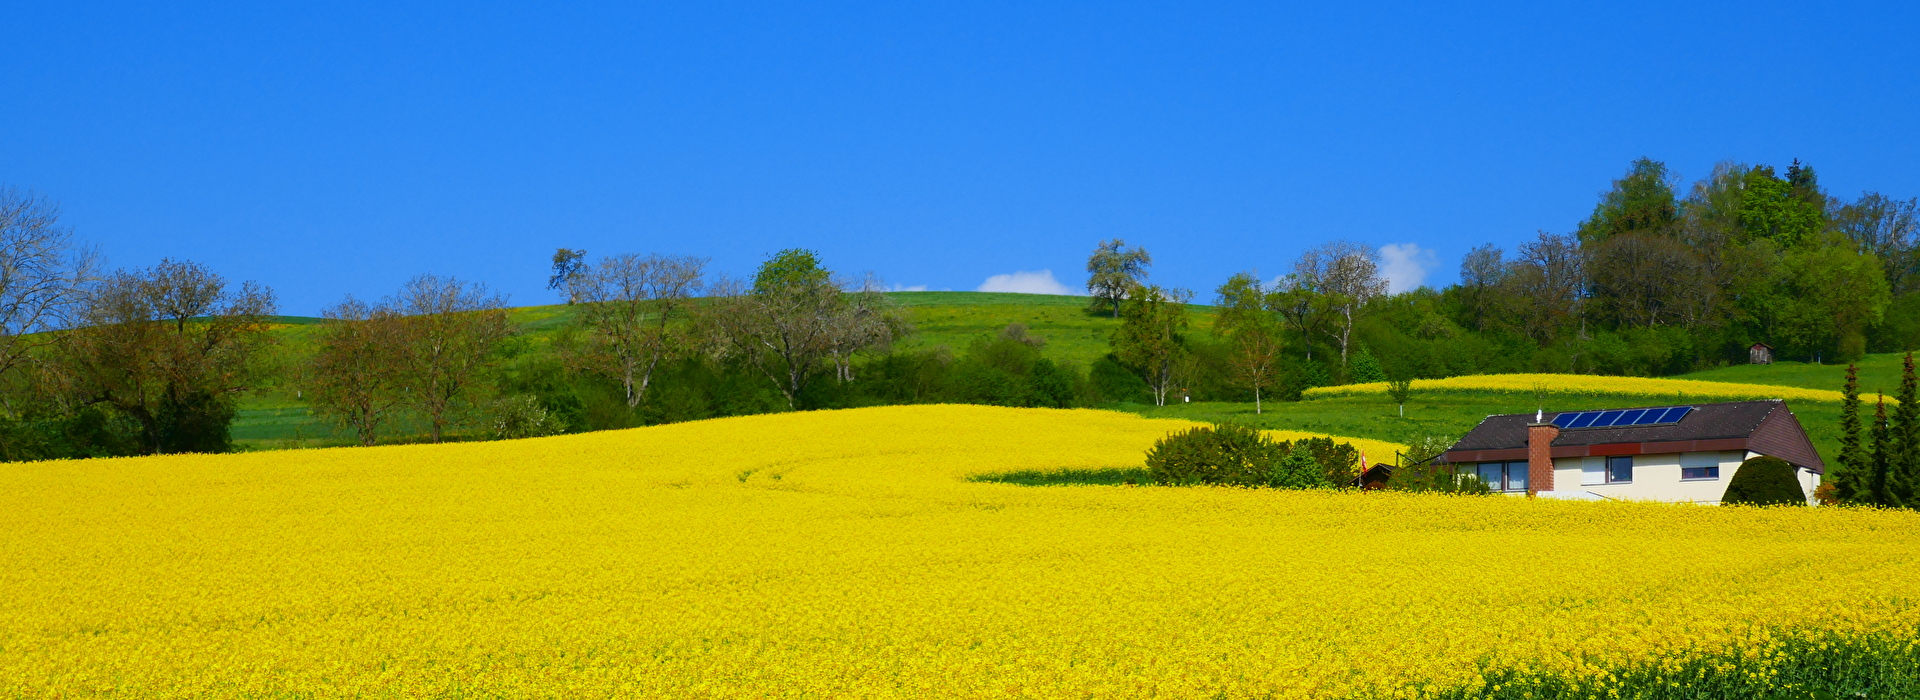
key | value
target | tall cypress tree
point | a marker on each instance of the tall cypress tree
(1881, 456)
(1847, 486)
(1906, 440)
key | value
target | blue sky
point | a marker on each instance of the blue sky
(327, 150)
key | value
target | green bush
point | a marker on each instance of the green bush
(1298, 470)
(1764, 481)
(516, 417)
(1239, 455)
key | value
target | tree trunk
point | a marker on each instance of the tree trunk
(1256, 399)
(1346, 332)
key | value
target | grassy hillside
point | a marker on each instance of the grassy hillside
(955, 319)
(1880, 372)
(280, 417)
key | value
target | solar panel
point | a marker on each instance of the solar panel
(1621, 418)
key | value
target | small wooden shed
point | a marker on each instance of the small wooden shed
(1760, 354)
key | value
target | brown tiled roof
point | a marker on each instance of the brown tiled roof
(1741, 420)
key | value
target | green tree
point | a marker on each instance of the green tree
(357, 375)
(1829, 296)
(1764, 481)
(1640, 201)
(1849, 478)
(781, 327)
(1880, 459)
(1298, 470)
(1780, 210)
(1113, 273)
(1151, 337)
(1400, 390)
(1906, 440)
(1252, 332)
(567, 266)
(170, 347)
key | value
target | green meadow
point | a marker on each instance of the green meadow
(278, 417)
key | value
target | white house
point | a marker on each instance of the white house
(1677, 454)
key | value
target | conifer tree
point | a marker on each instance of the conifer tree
(1847, 479)
(1906, 440)
(1880, 458)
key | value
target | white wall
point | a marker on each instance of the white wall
(1655, 477)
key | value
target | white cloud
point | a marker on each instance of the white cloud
(1023, 282)
(1405, 266)
(908, 288)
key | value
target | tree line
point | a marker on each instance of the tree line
(1653, 282)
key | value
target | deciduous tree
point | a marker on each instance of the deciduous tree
(630, 306)
(1253, 333)
(359, 371)
(170, 347)
(450, 328)
(794, 320)
(1152, 338)
(1113, 272)
(43, 276)
(1348, 276)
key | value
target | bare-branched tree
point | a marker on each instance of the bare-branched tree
(1347, 274)
(866, 321)
(451, 328)
(630, 306)
(43, 276)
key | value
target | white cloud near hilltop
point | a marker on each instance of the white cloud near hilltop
(1405, 266)
(1024, 282)
(908, 288)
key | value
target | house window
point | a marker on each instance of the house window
(1504, 476)
(1619, 470)
(1699, 467)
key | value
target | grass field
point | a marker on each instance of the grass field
(850, 554)
(954, 319)
(1878, 372)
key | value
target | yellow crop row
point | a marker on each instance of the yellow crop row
(843, 554)
(1659, 390)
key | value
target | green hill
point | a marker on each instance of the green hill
(1878, 372)
(279, 417)
(1074, 336)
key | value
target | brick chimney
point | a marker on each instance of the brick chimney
(1540, 437)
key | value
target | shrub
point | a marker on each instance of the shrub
(1764, 481)
(1298, 470)
(1339, 462)
(1229, 453)
(1239, 455)
(515, 417)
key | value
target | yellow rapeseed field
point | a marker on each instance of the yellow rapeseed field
(844, 554)
(1659, 390)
